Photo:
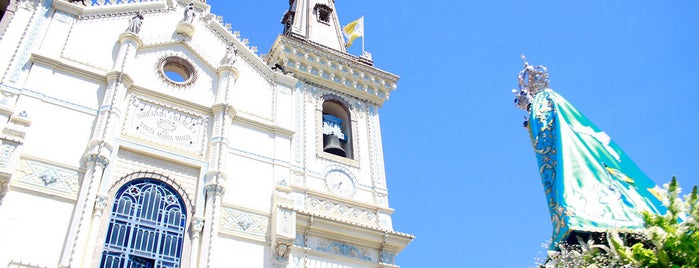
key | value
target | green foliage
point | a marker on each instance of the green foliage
(670, 240)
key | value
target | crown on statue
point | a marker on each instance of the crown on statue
(532, 79)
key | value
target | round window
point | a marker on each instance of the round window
(177, 71)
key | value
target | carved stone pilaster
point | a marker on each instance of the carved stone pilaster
(283, 235)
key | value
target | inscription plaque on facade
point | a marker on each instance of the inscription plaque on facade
(165, 126)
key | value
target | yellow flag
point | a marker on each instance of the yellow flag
(354, 30)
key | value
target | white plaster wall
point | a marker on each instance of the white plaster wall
(282, 149)
(231, 252)
(324, 33)
(363, 142)
(206, 42)
(284, 107)
(251, 140)
(32, 228)
(160, 25)
(250, 183)
(55, 38)
(252, 94)
(56, 134)
(320, 32)
(65, 87)
(95, 42)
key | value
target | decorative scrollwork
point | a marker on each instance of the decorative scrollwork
(544, 141)
(97, 159)
(215, 189)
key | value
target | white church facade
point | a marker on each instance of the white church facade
(149, 134)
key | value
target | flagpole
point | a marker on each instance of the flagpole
(363, 34)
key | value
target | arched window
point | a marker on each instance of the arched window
(323, 12)
(336, 127)
(146, 227)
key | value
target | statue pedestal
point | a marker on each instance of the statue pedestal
(185, 28)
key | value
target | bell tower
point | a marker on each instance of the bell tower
(315, 21)
(338, 180)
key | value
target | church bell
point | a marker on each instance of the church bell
(331, 144)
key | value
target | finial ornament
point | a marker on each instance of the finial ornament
(532, 79)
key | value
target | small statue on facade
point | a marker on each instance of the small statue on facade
(189, 13)
(135, 23)
(231, 55)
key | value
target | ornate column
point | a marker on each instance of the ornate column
(218, 151)
(76, 244)
(214, 196)
(100, 204)
(195, 229)
(79, 247)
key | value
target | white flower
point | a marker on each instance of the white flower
(657, 234)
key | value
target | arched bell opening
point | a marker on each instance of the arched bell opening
(336, 129)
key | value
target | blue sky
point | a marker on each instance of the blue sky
(461, 172)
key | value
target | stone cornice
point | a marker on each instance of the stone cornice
(356, 233)
(77, 9)
(68, 67)
(346, 201)
(172, 101)
(123, 77)
(224, 107)
(241, 118)
(332, 69)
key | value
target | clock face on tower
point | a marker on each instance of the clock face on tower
(340, 183)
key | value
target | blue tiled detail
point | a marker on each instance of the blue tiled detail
(388, 257)
(300, 240)
(345, 250)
